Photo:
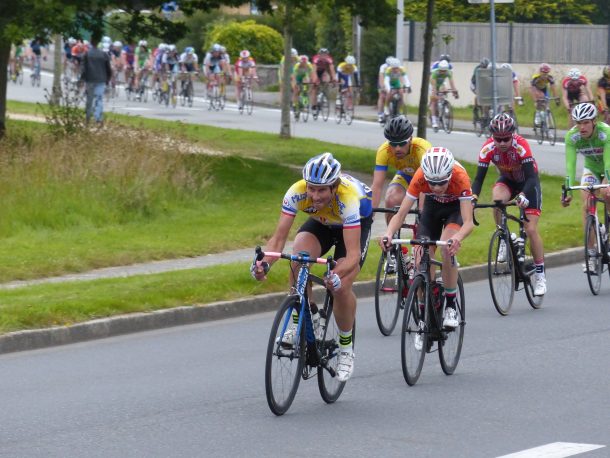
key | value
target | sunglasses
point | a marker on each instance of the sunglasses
(503, 139)
(438, 184)
(402, 143)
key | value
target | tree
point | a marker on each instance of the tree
(423, 99)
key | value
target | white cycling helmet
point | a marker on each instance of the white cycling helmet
(322, 170)
(294, 52)
(350, 60)
(574, 73)
(216, 48)
(117, 44)
(72, 41)
(244, 54)
(395, 63)
(584, 111)
(106, 39)
(388, 60)
(443, 65)
(171, 48)
(506, 66)
(143, 43)
(437, 164)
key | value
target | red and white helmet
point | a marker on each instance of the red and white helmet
(574, 73)
(244, 54)
(502, 123)
(437, 164)
(545, 68)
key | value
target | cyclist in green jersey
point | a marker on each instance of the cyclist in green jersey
(303, 72)
(591, 138)
(437, 81)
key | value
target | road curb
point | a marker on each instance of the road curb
(137, 322)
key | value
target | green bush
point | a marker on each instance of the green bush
(265, 43)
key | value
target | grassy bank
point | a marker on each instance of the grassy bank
(70, 206)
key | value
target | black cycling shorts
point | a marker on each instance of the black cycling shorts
(330, 236)
(534, 195)
(436, 215)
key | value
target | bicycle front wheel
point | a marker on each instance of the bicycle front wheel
(284, 365)
(501, 272)
(539, 129)
(447, 117)
(551, 131)
(325, 108)
(414, 339)
(593, 257)
(338, 112)
(387, 297)
(329, 385)
(349, 115)
(249, 102)
(450, 345)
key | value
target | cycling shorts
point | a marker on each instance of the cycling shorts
(344, 80)
(189, 67)
(589, 177)
(436, 216)
(329, 236)
(534, 195)
(215, 69)
(401, 179)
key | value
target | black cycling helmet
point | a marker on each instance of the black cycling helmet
(502, 123)
(399, 129)
(446, 57)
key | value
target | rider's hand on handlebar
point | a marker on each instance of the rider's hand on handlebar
(333, 282)
(454, 246)
(522, 201)
(456, 95)
(565, 202)
(384, 243)
(259, 270)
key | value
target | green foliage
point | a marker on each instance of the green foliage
(377, 43)
(524, 11)
(264, 43)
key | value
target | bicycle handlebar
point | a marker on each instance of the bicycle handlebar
(413, 211)
(260, 254)
(497, 204)
(421, 242)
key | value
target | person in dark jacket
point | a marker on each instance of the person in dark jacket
(96, 73)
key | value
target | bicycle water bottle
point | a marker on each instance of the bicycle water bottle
(315, 318)
(520, 249)
(405, 259)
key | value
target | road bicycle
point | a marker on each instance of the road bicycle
(322, 107)
(35, 75)
(444, 111)
(544, 121)
(422, 322)
(395, 104)
(17, 76)
(186, 88)
(301, 108)
(395, 272)
(215, 93)
(246, 100)
(481, 117)
(597, 247)
(315, 348)
(510, 265)
(344, 106)
(141, 93)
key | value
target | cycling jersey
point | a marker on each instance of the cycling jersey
(574, 87)
(393, 76)
(542, 81)
(458, 189)
(439, 78)
(301, 72)
(406, 166)
(245, 64)
(595, 149)
(345, 73)
(322, 63)
(604, 83)
(213, 62)
(351, 203)
(510, 163)
(127, 52)
(170, 59)
(142, 56)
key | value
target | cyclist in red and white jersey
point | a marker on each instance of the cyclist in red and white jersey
(574, 89)
(519, 180)
(245, 66)
(324, 71)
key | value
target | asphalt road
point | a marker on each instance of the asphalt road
(527, 380)
(367, 134)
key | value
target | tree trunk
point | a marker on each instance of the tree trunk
(423, 100)
(286, 88)
(57, 69)
(5, 51)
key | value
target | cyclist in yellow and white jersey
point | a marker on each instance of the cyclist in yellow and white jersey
(339, 209)
(438, 77)
(543, 82)
(381, 88)
(348, 76)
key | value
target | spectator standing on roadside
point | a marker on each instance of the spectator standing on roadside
(96, 73)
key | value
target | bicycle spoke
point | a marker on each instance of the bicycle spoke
(501, 272)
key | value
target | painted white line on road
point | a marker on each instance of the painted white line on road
(554, 450)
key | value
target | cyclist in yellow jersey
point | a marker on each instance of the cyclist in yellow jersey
(339, 209)
(403, 152)
(542, 82)
(348, 76)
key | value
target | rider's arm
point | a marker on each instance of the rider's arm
(530, 174)
(386, 82)
(277, 242)
(479, 179)
(564, 97)
(466, 211)
(399, 217)
(377, 186)
(601, 93)
(570, 160)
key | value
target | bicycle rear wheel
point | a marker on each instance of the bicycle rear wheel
(284, 366)
(447, 117)
(529, 269)
(329, 385)
(551, 129)
(501, 273)
(412, 355)
(305, 110)
(592, 243)
(450, 345)
(387, 297)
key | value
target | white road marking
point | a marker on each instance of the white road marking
(554, 450)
